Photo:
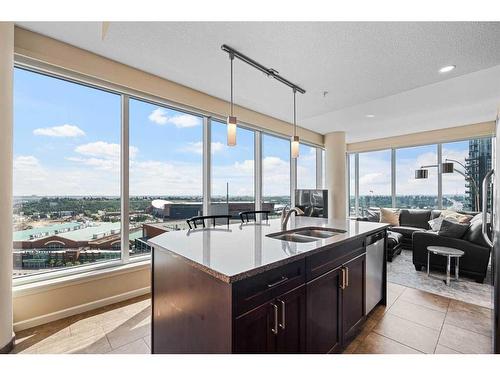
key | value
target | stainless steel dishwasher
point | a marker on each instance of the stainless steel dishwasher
(375, 247)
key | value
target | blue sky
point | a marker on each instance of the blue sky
(67, 142)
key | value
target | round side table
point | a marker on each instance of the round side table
(449, 253)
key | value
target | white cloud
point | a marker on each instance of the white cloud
(197, 147)
(160, 116)
(104, 150)
(65, 130)
(152, 177)
(276, 176)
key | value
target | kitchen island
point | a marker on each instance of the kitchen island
(250, 288)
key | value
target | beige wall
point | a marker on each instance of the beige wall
(65, 297)
(6, 67)
(62, 55)
(336, 174)
(458, 133)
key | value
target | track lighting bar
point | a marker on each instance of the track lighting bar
(267, 71)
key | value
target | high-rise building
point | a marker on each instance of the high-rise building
(478, 163)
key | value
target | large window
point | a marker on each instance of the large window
(232, 171)
(412, 192)
(471, 161)
(306, 167)
(454, 184)
(66, 174)
(275, 172)
(165, 170)
(374, 179)
(352, 184)
(460, 179)
(70, 142)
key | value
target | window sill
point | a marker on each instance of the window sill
(64, 280)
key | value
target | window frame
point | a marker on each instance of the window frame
(439, 151)
(126, 93)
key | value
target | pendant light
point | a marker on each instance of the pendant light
(295, 139)
(231, 120)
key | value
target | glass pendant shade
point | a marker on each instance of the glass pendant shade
(421, 174)
(231, 130)
(447, 168)
(295, 146)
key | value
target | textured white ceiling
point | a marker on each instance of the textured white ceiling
(358, 63)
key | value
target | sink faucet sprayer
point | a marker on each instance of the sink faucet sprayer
(285, 215)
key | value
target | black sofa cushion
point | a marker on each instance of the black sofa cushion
(414, 218)
(393, 239)
(394, 244)
(474, 263)
(407, 231)
(475, 233)
(453, 230)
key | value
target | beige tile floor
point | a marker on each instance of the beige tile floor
(415, 321)
(412, 322)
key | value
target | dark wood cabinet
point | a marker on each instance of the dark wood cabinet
(336, 307)
(254, 330)
(323, 313)
(353, 297)
(291, 336)
(312, 305)
(277, 326)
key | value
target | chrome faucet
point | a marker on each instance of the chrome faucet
(285, 215)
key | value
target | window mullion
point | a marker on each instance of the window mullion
(124, 178)
(258, 170)
(207, 165)
(440, 175)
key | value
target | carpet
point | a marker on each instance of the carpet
(401, 271)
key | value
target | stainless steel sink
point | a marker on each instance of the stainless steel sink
(319, 232)
(307, 234)
(292, 237)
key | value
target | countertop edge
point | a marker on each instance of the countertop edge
(255, 271)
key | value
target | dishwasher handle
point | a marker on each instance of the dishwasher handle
(370, 240)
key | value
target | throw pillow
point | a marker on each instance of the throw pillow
(461, 218)
(389, 216)
(373, 215)
(453, 230)
(435, 224)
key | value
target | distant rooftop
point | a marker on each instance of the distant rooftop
(69, 231)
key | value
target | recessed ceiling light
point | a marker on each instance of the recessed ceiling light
(369, 116)
(446, 69)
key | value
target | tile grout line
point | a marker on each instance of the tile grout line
(399, 342)
(442, 325)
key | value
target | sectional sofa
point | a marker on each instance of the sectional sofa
(414, 233)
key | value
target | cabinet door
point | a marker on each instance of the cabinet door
(353, 297)
(254, 330)
(292, 321)
(323, 313)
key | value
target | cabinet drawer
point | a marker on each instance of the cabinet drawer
(329, 259)
(252, 292)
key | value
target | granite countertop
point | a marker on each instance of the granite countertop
(243, 250)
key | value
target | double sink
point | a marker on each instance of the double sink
(306, 234)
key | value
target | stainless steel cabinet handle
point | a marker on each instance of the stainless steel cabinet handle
(347, 277)
(485, 207)
(276, 283)
(342, 285)
(275, 328)
(282, 324)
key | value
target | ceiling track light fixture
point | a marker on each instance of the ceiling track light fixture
(271, 73)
